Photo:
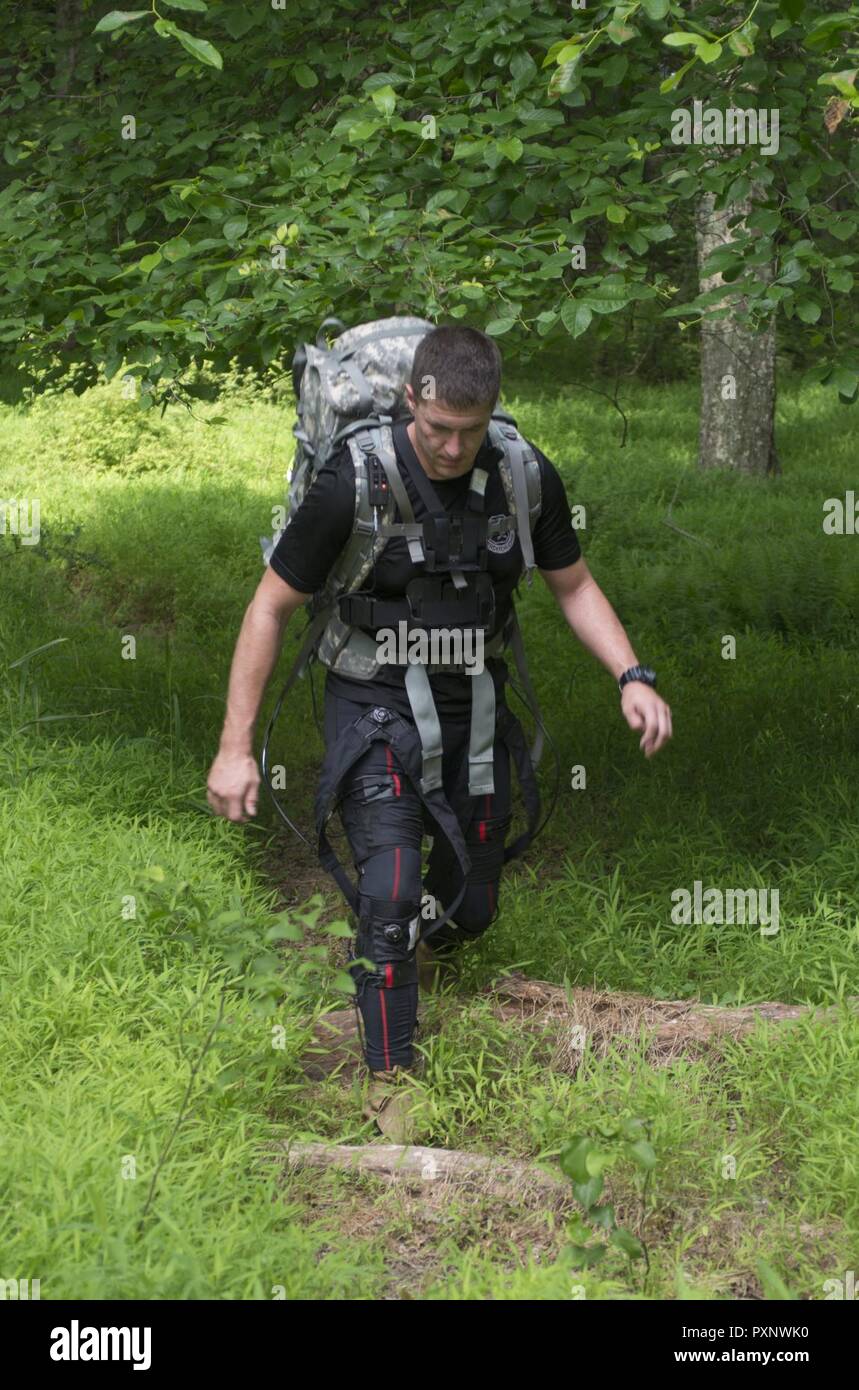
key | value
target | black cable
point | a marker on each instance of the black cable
(319, 729)
(265, 772)
(553, 746)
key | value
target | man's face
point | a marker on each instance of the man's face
(446, 441)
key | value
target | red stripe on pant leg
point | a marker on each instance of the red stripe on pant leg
(396, 889)
(385, 1029)
(389, 976)
(389, 758)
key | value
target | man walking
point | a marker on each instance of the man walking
(448, 481)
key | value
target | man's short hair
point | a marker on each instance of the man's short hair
(458, 366)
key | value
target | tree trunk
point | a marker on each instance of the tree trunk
(67, 37)
(737, 366)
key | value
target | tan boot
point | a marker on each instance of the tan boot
(389, 1102)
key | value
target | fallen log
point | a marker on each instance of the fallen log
(417, 1165)
(598, 1019)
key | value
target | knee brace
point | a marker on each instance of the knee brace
(387, 935)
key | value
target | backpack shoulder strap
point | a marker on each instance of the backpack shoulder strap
(365, 543)
(520, 474)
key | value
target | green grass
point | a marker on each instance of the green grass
(149, 530)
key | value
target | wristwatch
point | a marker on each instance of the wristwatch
(638, 673)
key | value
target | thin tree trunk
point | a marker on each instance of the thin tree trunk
(737, 365)
(67, 28)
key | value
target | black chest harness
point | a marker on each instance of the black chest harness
(455, 591)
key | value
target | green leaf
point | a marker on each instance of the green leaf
(792, 8)
(655, 9)
(663, 231)
(582, 1257)
(615, 213)
(522, 68)
(147, 263)
(234, 227)
(677, 77)
(512, 148)
(573, 1156)
(741, 43)
(613, 70)
(840, 280)
(576, 317)
(304, 75)
(808, 310)
(343, 982)
(496, 327)
(362, 130)
(285, 931)
(602, 1217)
(596, 1161)
(266, 964)
(710, 52)
(546, 322)
(626, 1241)
(683, 39)
(118, 17)
(606, 298)
(384, 99)
(176, 249)
(200, 49)
(565, 78)
(819, 35)
(619, 32)
(577, 1230)
(199, 5)
(341, 929)
(631, 1128)
(588, 1192)
(643, 1153)
(844, 380)
(844, 82)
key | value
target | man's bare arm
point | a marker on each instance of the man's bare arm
(233, 784)
(591, 616)
(593, 620)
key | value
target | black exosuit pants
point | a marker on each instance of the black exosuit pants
(385, 821)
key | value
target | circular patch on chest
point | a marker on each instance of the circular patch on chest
(500, 544)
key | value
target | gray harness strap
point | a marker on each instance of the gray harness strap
(427, 724)
(481, 746)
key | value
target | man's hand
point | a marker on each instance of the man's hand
(644, 709)
(233, 785)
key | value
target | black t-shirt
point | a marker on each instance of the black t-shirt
(308, 548)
